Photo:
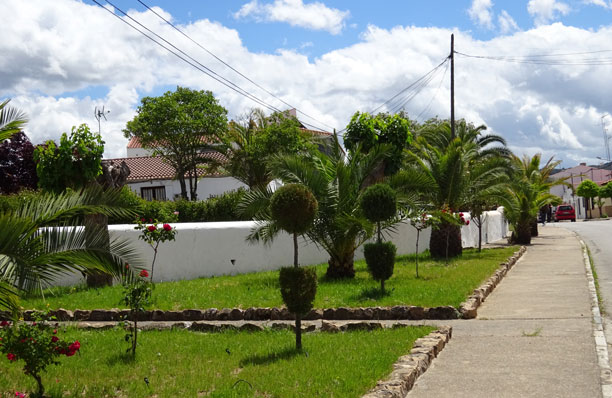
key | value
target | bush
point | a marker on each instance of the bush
(378, 203)
(293, 207)
(380, 259)
(298, 288)
(11, 202)
(129, 199)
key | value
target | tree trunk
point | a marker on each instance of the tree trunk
(181, 180)
(298, 332)
(523, 233)
(439, 237)
(41, 388)
(341, 267)
(96, 235)
(534, 227)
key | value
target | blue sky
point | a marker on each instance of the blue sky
(62, 59)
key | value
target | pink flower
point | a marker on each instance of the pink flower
(11, 356)
(151, 228)
(176, 213)
(19, 394)
(167, 227)
(144, 273)
(54, 339)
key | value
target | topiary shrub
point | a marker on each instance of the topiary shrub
(378, 204)
(293, 208)
(298, 288)
(380, 259)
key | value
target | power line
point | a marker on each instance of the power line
(229, 66)
(534, 61)
(197, 65)
(426, 109)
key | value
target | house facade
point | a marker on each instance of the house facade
(575, 175)
(153, 179)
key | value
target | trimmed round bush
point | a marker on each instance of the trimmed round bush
(298, 288)
(380, 259)
(293, 207)
(379, 203)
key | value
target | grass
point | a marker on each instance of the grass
(439, 284)
(602, 309)
(184, 363)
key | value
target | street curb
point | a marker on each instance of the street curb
(601, 345)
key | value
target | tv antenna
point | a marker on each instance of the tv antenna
(101, 113)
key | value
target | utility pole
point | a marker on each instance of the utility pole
(606, 139)
(452, 86)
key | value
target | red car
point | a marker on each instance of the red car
(565, 212)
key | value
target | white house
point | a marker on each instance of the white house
(575, 175)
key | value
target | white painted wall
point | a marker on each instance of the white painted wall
(206, 249)
(207, 186)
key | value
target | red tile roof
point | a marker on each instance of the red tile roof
(147, 168)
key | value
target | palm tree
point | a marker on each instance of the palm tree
(527, 191)
(41, 240)
(337, 181)
(11, 120)
(447, 171)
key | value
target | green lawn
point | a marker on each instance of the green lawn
(439, 284)
(188, 364)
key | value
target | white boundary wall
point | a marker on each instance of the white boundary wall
(207, 249)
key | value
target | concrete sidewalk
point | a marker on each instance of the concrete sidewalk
(533, 336)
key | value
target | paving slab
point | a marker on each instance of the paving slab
(533, 337)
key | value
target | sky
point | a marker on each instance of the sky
(536, 72)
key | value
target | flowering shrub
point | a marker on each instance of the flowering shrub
(137, 293)
(154, 235)
(36, 344)
(420, 221)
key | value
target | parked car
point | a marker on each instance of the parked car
(565, 212)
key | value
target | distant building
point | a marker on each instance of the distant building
(576, 175)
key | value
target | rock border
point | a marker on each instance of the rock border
(469, 308)
(409, 367)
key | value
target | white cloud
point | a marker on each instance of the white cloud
(600, 3)
(50, 50)
(545, 11)
(315, 16)
(507, 24)
(480, 12)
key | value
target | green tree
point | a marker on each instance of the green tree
(40, 241)
(527, 191)
(588, 190)
(250, 143)
(446, 171)
(365, 132)
(11, 120)
(336, 181)
(180, 127)
(75, 163)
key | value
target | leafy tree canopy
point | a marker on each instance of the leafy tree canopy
(587, 189)
(17, 167)
(180, 126)
(606, 190)
(369, 131)
(76, 162)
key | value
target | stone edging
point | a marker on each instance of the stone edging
(409, 367)
(469, 308)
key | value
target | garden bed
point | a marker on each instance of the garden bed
(225, 364)
(438, 285)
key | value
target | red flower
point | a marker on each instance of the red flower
(467, 222)
(70, 353)
(74, 346)
(4, 323)
(54, 331)
(11, 356)
(144, 273)
(151, 228)
(54, 339)
(19, 394)
(127, 266)
(167, 227)
(461, 215)
(142, 220)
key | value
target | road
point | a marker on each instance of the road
(597, 234)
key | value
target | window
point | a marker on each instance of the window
(153, 193)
